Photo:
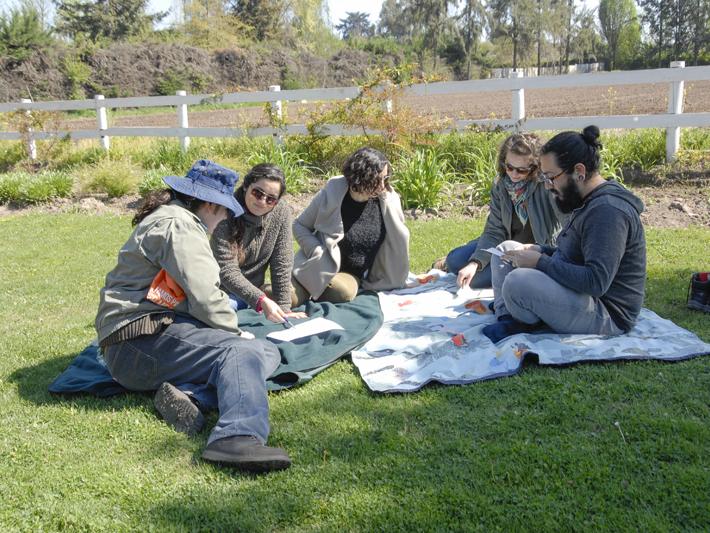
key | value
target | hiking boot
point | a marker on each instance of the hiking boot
(245, 452)
(699, 292)
(177, 410)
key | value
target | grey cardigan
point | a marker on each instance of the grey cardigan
(320, 227)
(543, 215)
(268, 243)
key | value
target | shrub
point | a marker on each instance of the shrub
(152, 181)
(23, 187)
(296, 170)
(639, 149)
(11, 153)
(420, 177)
(115, 178)
(695, 139)
(168, 155)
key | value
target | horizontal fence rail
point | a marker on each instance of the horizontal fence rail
(672, 121)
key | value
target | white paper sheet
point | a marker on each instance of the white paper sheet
(304, 329)
(494, 251)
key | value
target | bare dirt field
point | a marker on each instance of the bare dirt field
(586, 101)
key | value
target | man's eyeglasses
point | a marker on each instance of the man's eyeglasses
(257, 193)
(523, 171)
(545, 178)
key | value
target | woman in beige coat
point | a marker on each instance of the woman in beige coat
(352, 235)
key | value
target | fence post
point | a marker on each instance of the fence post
(102, 120)
(675, 107)
(31, 145)
(276, 113)
(518, 109)
(182, 122)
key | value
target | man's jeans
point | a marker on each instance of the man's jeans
(530, 296)
(459, 258)
(189, 351)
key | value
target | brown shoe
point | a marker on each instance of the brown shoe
(440, 264)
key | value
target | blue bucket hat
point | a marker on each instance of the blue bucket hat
(210, 182)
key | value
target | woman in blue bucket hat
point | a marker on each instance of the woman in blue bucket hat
(163, 321)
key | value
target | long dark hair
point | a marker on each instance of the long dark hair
(363, 168)
(571, 147)
(266, 171)
(155, 199)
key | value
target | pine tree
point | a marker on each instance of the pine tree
(21, 34)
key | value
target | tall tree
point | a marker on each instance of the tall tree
(109, 19)
(394, 20)
(21, 35)
(514, 20)
(656, 15)
(355, 24)
(431, 21)
(472, 22)
(266, 17)
(586, 43)
(620, 27)
(701, 29)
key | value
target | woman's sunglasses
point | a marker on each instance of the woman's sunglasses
(523, 171)
(257, 193)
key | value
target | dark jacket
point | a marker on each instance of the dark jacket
(602, 252)
(543, 217)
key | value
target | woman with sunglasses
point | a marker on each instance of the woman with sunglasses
(352, 234)
(520, 210)
(261, 238)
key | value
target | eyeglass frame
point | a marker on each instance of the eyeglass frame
(544, 178)
(260, 194)
(523, 171)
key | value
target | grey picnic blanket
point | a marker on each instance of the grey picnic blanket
(431, 334)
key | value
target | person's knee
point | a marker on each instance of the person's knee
(342, 288)
(255, 356)
(522, 286)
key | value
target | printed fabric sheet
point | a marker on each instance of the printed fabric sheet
(432, 333)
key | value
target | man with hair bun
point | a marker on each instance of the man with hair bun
(593, 281)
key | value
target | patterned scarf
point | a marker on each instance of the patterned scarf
(518, 193)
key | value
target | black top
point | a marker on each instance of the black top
(520, 233)
(364, 229)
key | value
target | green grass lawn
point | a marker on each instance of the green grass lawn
(622, 446)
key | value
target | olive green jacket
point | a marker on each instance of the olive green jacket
(174, 239)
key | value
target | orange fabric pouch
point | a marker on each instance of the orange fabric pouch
(165, 291)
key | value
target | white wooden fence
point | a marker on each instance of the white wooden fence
(673, 120)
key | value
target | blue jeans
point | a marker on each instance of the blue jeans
(530, 296)
(237, 303)
(459, 258)
(189, 351)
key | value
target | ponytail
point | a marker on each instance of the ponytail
(571, 148)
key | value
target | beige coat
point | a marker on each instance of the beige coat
(320, 227)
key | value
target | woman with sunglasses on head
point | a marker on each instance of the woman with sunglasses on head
(261, 238)
(520, 210)
(352, 234)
